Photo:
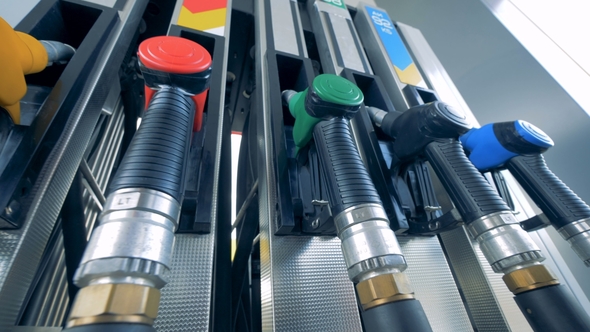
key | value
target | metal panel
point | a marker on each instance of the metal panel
(304, 284)
(433, 284)
(338, 43)
(472, 279)
(20, 250)
(381, 63)
(286, 27)
(432, 70)
(186, 300)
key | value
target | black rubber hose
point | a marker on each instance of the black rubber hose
(348, 182)
(406, 315)
(559, 203)
(470, 192)
(112, 327)
(155, 158)
(553, 309)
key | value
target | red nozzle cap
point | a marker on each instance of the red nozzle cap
(174, 55)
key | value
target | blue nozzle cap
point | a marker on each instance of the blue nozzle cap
(532, 134)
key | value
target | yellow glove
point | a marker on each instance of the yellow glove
(20, 54)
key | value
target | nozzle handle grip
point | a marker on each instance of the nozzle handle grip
(405, 315)
(468, 189)
(347, 179)
(156, 157)
(559, 203)
(552, 309)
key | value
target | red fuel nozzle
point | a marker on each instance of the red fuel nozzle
(179, 63)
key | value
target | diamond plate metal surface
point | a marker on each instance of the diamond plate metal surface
(472, 278)
(434, 285)
(512, 313)
(312, 291)
(21, 250)
(186, 300)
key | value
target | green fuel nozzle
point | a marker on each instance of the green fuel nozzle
(328, 96)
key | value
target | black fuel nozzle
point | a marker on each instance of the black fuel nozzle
(432, 131)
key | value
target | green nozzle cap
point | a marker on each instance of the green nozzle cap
(337, 90)
(329, 96)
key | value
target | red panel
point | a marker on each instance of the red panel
(197, 6)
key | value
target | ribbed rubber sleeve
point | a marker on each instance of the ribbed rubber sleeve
(348, 182)
(552, 309)
(406, 315)
(470, 192)
(112, 327)
(156, 156)
(559, 203)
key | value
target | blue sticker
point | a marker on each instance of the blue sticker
(391, 40)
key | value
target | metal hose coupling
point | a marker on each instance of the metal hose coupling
(370, 248)
(578, 236)
(127, 259)
(504, 243)
(373, 256)
(510, 250)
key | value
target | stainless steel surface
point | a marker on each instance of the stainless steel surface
(581, 245)
(246, 204)
(367, 240)
(433, 284)
(575, 228)
(472, 278)
(186, 300)
(432, 70)
(379, 59)
(286, 27)
(504, 243)
(89, 177)
(375, 266)
(20, 250)
(293, 298)
(376, 114)
(578, 236)
(506, 247)
(491, 221)
(359, 213)
(131, 236)
(35, 329)
(339, 45)
(121, 270)
(142, 199)
(134, 241)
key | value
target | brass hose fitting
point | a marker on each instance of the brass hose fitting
(383, 289)
(115, 303)
(529, 278)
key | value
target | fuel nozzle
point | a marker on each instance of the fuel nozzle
(371, 251)
(432, 131)
(518, 146)
(128, 257)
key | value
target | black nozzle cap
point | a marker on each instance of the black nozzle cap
(406, 315)
(112, 327)
(421, 125)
